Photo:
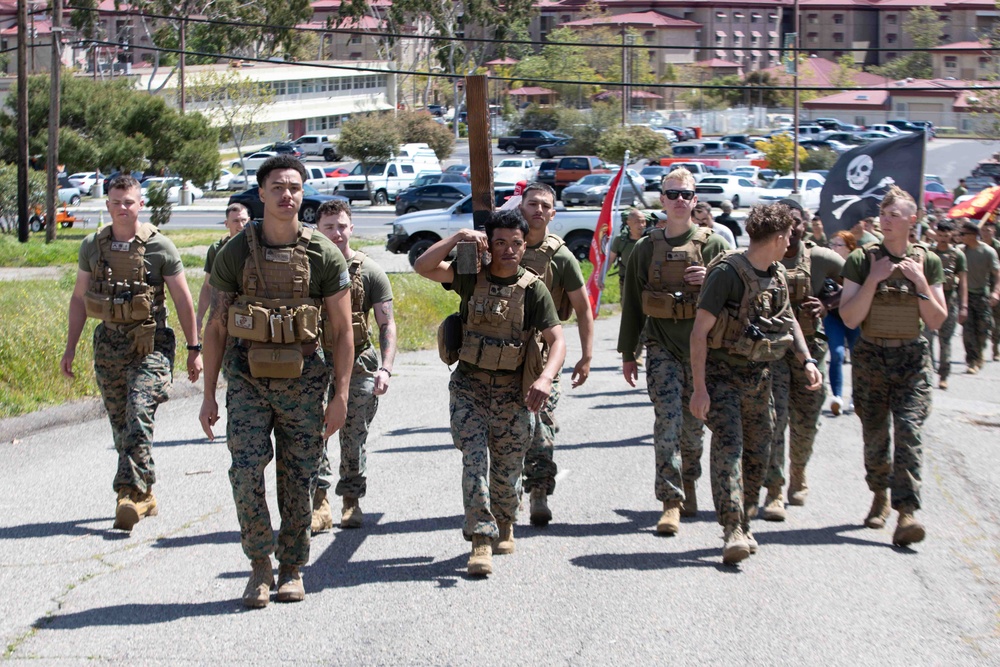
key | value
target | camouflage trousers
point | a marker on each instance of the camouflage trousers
(362, 404)
(796, 408)
(976, 330)
(995, 331)
(539, 463)
(741, 418)
(491, 426)
(893, 383)
(677, 434)
(943, 335)
(293, 409)
(132, 387)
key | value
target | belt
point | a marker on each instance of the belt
(890, 342)
(494, 380)
(307, 348)
(125, 327)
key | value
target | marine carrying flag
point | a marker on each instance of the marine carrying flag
(859, 180)
(601, 242)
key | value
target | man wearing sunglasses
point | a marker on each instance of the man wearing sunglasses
(662, 281)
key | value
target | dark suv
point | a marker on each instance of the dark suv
(547, 172)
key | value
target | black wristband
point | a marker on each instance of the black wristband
(810, 360)
(194, 348)
(387, 371)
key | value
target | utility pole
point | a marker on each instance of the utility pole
(22, 121)
(183, 54)
(52, 159)
(795, 111)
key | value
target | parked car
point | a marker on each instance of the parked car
(683, 133)
(848, 138)
(888, 129)
(825, 144)
(85, 181)
(243, 180)
(68, 193)
(654, 173)
(748, 139)
(873, 135)
(560, 147)
(436, 110)
(688, 150)
(307, 213)
(809, 188)
(283, 148)
(137, 175)
(462, 170)
(319, 145)
(937, 194)
(718, 171)
(904, 125)
(220, 182)
(173, 186)
(253, 161)
(514, 169)
(547, 172)
(425, 197)
(337, 172)
(528, 140)
(927, 125)
(740, 190)
(591, 191)
(572, 168)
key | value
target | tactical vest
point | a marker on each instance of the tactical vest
(895, 309)
(539, 261)
(359, 316)
(119, 292)
(800, 289)
(494, 337)
(949, 262)
(665, 294)
(759, 328)
(274, 311)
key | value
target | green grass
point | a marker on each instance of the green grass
(64, 250)
(419, 305)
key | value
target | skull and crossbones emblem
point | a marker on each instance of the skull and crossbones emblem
(859, 172)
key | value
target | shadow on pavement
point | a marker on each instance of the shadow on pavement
(828, 535)
(418, 430)
(639, 441)
(659, 560)
(137, 614)
(70, 528)
(220, 537)
(624, 392)
(416, 449)
(636, 522)
(181, 443)
(615, 406)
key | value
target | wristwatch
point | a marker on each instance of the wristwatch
(810, 360)
(194, 348)
(387, 371)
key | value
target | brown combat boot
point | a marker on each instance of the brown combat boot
(258, 591)
(504, 544)
(879, 511)
(751, 540)
(481, 560)
(540, 512)
(774, 505)
(290, 588)
(942, 384)
(322, 518)
(126, 513)
(735, 548)
(689, 508)
(798, 489)
(351, 515)
(908, 530)
(670, 520)
(145, 503)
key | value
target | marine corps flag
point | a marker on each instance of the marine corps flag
(600, 244)
(859, 180)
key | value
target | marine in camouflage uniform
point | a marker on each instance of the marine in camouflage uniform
(744, 324)
(989, 230)
(955, 296)
(273, 282)
(122, 271)
(662, 281)
(548, 256)
(890, 367)
(237, 217)
(370, 292)
(503, 308)
(984, 293)
(796, 407)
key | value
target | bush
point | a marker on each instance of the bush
(824, 158)
(159, 208)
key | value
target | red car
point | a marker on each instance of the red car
(337, 172)
(937, 194)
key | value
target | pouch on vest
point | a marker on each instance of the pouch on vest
(98, 305)
(771, 349)
(269, 360)
(449, 338)
(807, 322)
(894, 314)
(249, 322)
(667, 305)
(143, 338)
(534, 363)
(307, 322)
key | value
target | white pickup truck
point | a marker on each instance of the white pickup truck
(316, 177)
(414, 233)
(319, 145)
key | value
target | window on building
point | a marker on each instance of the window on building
(355, 39)
(720, 38)
(812, 37)
(985, 61)
(720, 15)
(838, 19)
(838, 38)
(737, 38)
(649, 36)
(890, 38)
(950, 62)
(812, 19)
(754, 17)
(891, 19)
(772, 18)
(293, 87)
(738, 16)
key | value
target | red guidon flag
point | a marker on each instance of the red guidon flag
(600, 244)
(979, 206)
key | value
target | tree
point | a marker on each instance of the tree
(368, 139)
(8, 195)
(565, 63)
(537, 118)
(235, 105)
(924, 27)
(156, 201)
(586, 128)
(779, 153)
(639, 140)
(843, 76)
(824, 158)
(419, 127)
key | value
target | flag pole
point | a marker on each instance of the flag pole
(614, 216)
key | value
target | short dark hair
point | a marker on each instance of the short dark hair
(124, 182)
(540, 187)
(279, 162)
(703, 206)
(509, 219)
(333, 207)
(764, 221)
(235, 207)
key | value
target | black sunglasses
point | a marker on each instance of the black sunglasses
(686, 195)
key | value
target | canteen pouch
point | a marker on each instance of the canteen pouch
(98, 305)
(249, 322)
(666, 305)
(534, 363)
(268, 360)
(307, 322)
(449, 338)
(142, 336)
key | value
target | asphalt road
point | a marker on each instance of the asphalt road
(597, 586)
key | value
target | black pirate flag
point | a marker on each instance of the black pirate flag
(855, 186)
